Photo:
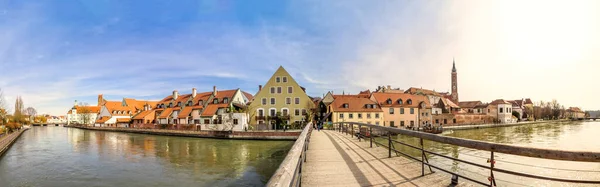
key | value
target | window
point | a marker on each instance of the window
(207, 121)
(399, 101)
(392, 124)
(437, 121)
(501, 110)
(402, 123)
(272, 90)
(488, 110)
(264, 101)
(359, 116)
(412, 123)
(290, 89)
(179, 104)
(284, 112)
(278, 90)
(215, 101)
(453, 120)
(368, 115)
(391, 110)
(345, 105)
(272, 101)
(170, 105)
(297, 100)
(288, 101)
(303, 111)
(377, 116)
(412, 111)
(235, 121)
(409, 101)
(272, 112)
(278, 79)
(189, 103)
(388, 101)
(401, 110)
(284, 79)
(350, 116)
(201, 103)
(377, 123)
(225, 100)
(261, 112)
(341, 115)
(445, 121)
(297, 112)
(368, 122)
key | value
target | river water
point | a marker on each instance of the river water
(58, 156)
(574, 136)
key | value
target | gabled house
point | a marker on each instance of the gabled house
(469, 106)
(83, 115)
(281, 99)
(504, 111)
(575, 113)
(120, 113)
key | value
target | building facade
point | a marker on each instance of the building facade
(355, 108)
(281, 95)
(403, 109)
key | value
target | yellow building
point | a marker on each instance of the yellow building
(355, 108)
(281, 94)
(403, 109)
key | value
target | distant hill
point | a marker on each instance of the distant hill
(594, 113)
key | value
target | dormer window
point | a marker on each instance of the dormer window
(201, 102)
(389, 101)
(345, 105)
(409, 101)
(170, 105)
(399, 101)
(189, 103)
(225, 100)
(215, 101)
(179, 104)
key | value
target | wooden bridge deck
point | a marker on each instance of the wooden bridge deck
(335, 159)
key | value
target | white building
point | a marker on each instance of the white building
(120, 113)
(504, 112)
(84, 115)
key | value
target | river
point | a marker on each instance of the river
(58, 156)
(574, 136)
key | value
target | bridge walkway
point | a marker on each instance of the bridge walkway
(336, 159)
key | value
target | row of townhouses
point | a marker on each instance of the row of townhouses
(282, 102)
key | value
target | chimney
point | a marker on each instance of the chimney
(215, 90)
(259, 88)
(75, 103)
(193, 92)
(146, 107)
(175, 94)
(100, 99)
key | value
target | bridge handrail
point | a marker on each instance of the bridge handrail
(582, 156)
(289, 171)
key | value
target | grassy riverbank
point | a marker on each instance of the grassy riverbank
(466, 127)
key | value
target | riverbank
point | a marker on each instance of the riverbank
(248, 135)
(8, 140)
(467, 127)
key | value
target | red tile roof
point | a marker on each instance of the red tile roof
(87, 109)
(123, 120)
(165, 114)
(356, 103)
(499, 101)
(383, 98)
(185, 112)
(143, 114)
(211, 109)
(102, 119)
(469, 104)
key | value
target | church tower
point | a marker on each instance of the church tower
(454, 84)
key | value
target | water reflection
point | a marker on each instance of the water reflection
(118, 159)
(576, 136)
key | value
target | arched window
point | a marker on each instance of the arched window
(399, 101)
(225, 100)
(389, 101)
(409, 101)
(179, 104)
(170, 105)
(189, 103)
(215, 101)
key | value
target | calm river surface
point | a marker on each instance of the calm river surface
(575, 136)
(58, 156)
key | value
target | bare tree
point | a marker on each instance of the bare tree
(85, 114)
(31, 112)
(3, 109)
(19, 110)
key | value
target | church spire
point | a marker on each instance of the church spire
(453, 66)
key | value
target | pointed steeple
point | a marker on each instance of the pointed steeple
(453, 65)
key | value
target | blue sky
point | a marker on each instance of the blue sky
(56, 51)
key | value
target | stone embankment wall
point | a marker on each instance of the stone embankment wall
(7, 140)
(249, 135)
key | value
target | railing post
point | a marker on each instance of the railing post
(371, 136)
(492, 162)
(389, 145)
(359, 132)
(351, 129)
(422, 157)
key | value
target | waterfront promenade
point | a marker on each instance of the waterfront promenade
(7, 140)
(336, 159)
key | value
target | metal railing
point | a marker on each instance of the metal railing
(349, 127)
(289, 172)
